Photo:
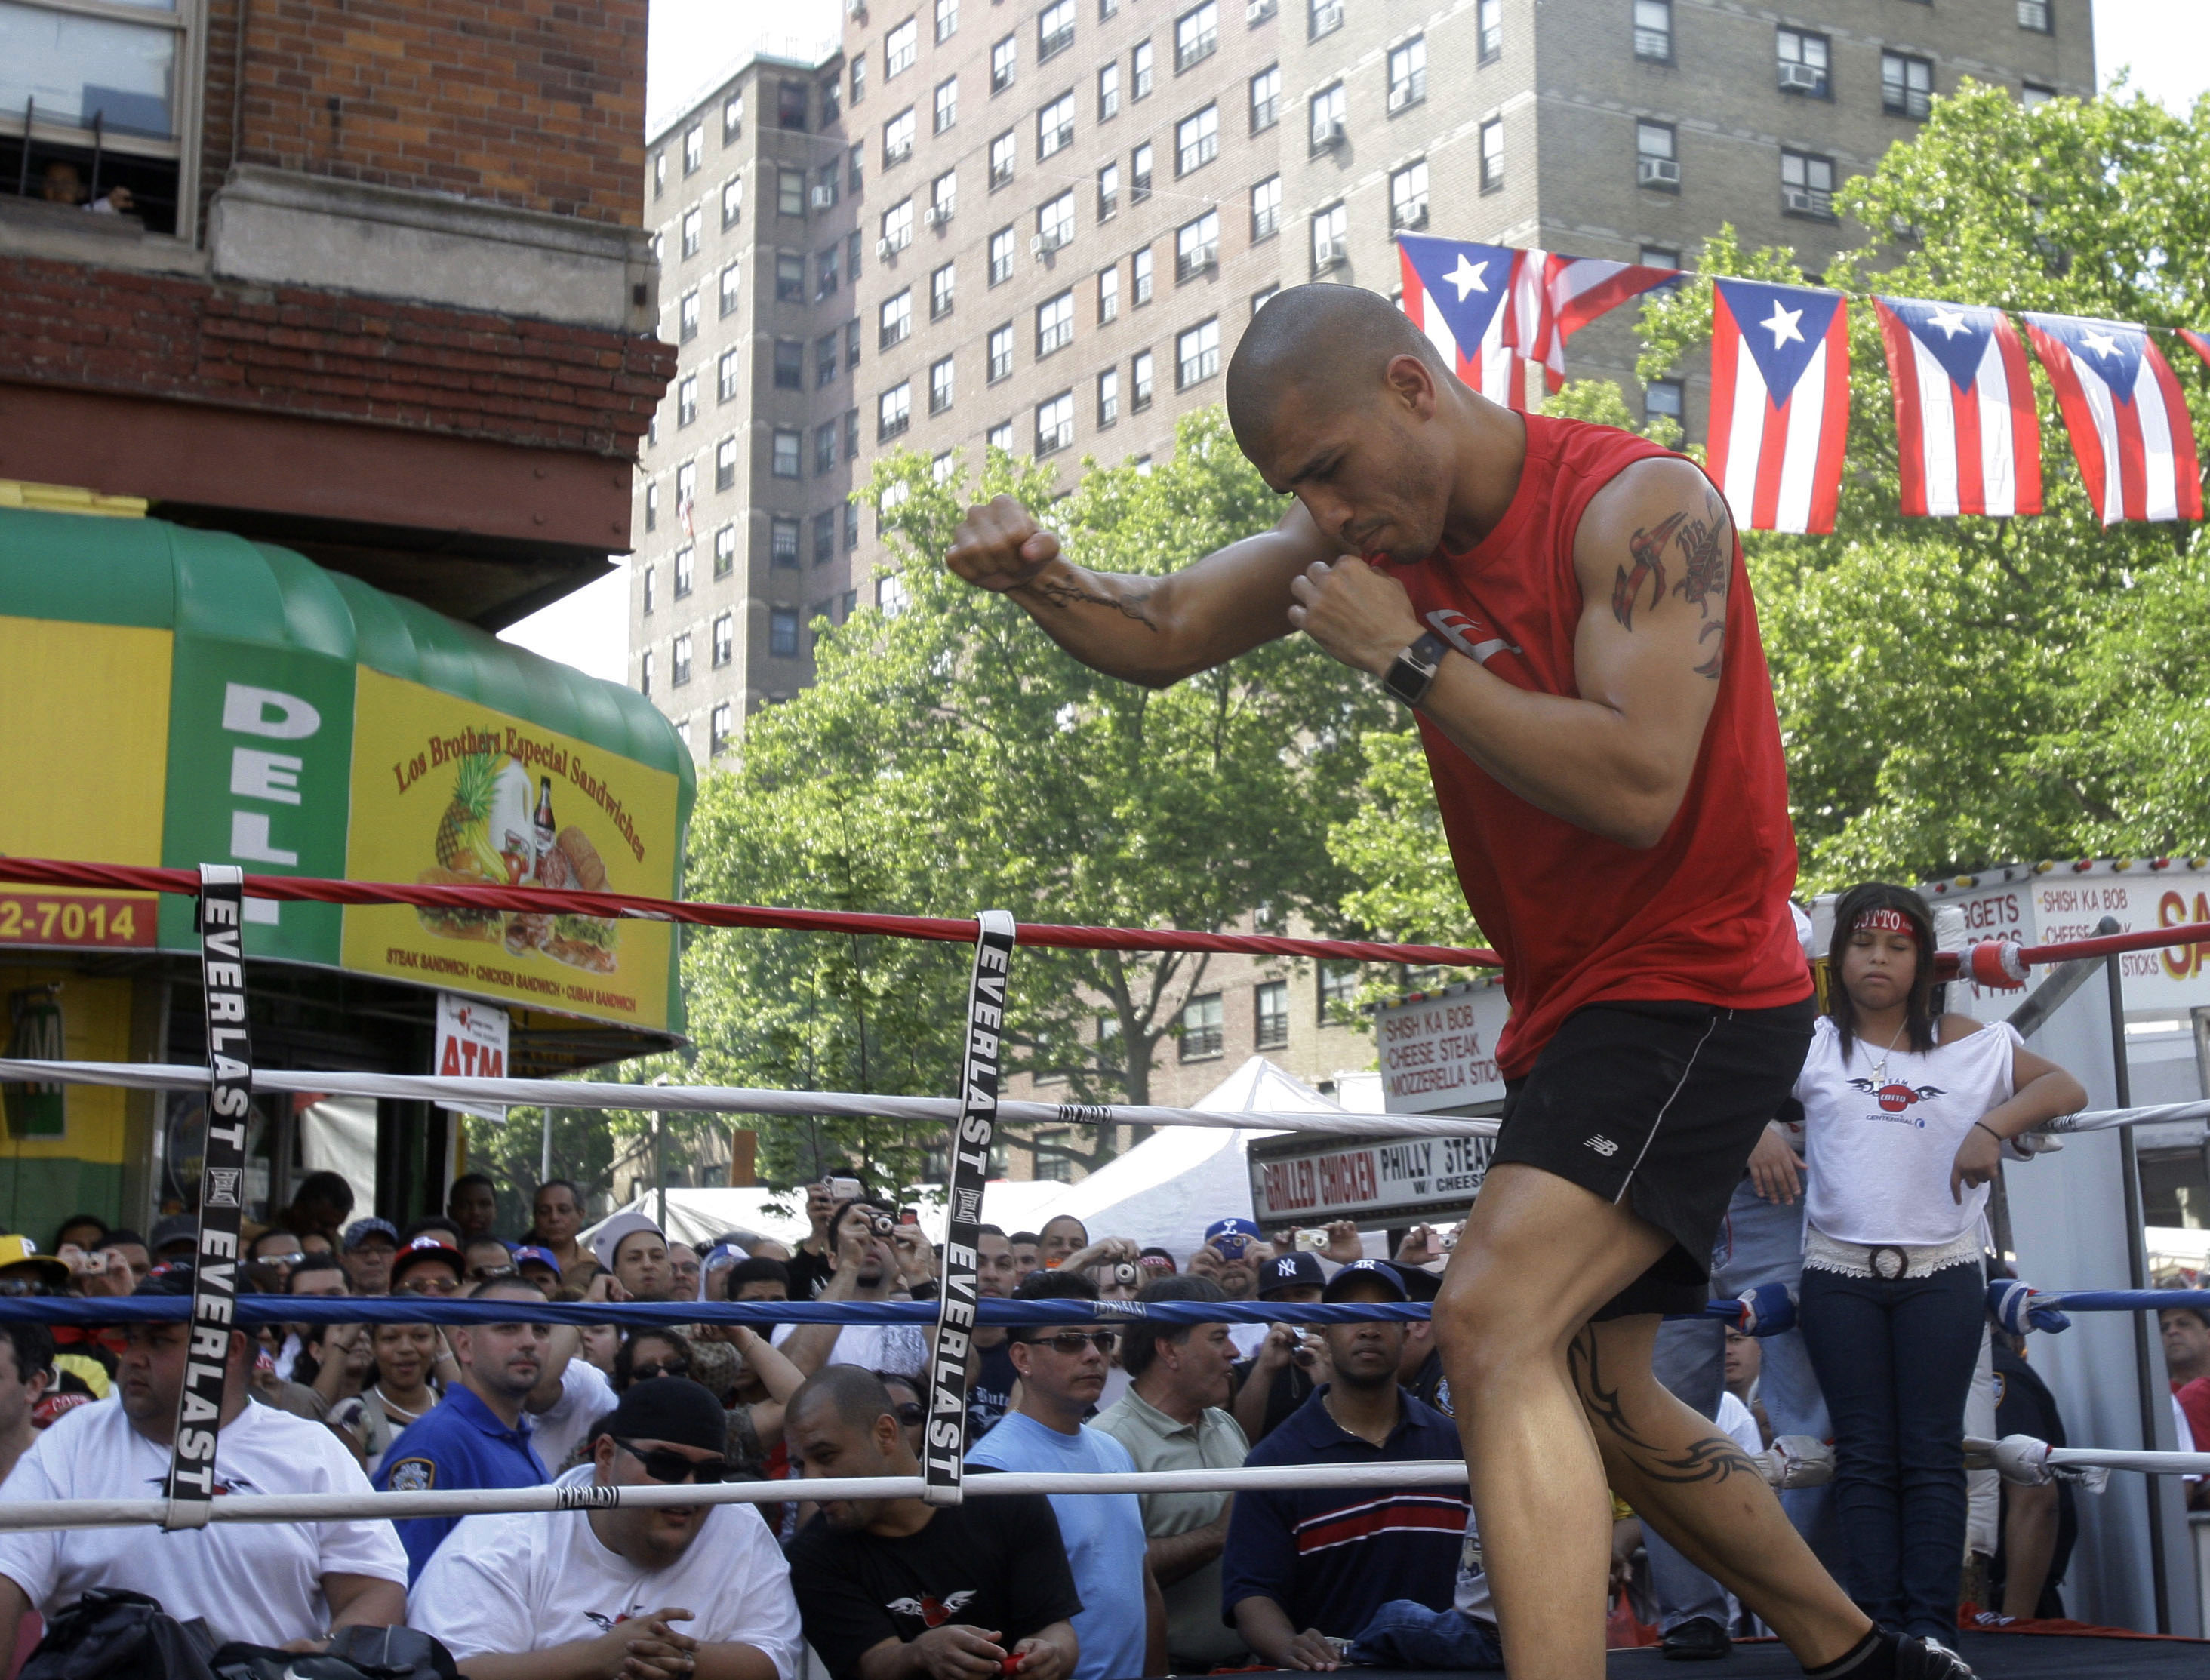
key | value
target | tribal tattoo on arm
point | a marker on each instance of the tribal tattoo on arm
(1648, 548)
(1713, 1458)
(1064, 593)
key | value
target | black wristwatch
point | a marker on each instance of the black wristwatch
(1415, 668)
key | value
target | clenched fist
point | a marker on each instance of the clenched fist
(998, 547)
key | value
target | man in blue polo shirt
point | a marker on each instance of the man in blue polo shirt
(475, 1437)
(1305, 1569)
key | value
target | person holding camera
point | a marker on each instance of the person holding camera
(1279, 1378)
(859, 1236)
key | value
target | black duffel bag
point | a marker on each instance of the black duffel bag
(110, 1633)
(355, 1654)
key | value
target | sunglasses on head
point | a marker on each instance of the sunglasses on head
(1072, 1342)
(664, 1464)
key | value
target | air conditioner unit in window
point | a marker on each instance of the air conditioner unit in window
(1258, 11)
(1326, 18)
(938, 215)
(1044, 243)
(1808, 201)
(896, 153)
(1400, 96)
(1412, 216)
(1657, 171)
(885, 250)
(824, 197)
(1802, 78)
(857, 10)
(1327, 133)
(1328, 254)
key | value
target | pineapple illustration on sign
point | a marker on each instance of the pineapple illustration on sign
(467, 854)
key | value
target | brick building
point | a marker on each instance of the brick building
(1066, 212)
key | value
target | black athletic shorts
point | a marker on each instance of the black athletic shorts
(1658, 1105)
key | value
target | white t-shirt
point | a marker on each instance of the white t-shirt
(1880, 1149)
(902, 1348)
(586, 1396)
(1739, 1423)
(256, 1581)
(503, 1585)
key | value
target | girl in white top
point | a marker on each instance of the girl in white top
(1905, 1113)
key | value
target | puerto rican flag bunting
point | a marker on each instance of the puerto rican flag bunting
(1455, 292)
(1963, 408)
(2199, 343)
(1554, 297)
(1780, 402)
(2128, 422)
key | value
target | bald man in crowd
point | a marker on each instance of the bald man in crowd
(1564, 609)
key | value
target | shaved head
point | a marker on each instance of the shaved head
(854, 1396)
(1324, 345)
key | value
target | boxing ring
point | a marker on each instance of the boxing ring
(230, 1080)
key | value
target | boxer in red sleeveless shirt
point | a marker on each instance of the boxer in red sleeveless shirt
(1565, 608)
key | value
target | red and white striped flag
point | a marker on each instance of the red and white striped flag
(2128, 423)
(2198, 342)
(1963, 408)
(1554, 297)
(1456, 292)
(1780, 402)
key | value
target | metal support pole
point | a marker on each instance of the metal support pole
(23, 164)
(658, 1175)
(545, 1152)
(2152, 1393)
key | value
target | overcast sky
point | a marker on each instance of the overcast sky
(694, 43)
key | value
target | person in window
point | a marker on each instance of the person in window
(1906, 1110)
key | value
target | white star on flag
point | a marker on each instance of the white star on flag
(2101, 343)
(1947, 320)
(1467, 276)
(1782, 324)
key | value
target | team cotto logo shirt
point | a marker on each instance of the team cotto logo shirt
(1881, 1131)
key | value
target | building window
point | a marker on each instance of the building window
(898, 227)
(1273, 999)
(999, 436)
(1662, 399)
(894, 409)
(1322, 17)
(651, 589)
(1266, 209)
(855, 168)
(1492, 154)
(2038, 15)
(678, 662)
(733, 202)
(1108, 397)
(1005, 57)
(1001, 256)
(790, 100)
(2032, 93)
(1140, 381)
(1000, 347)
(1197, 140)
(725, 466)
(899, 48)
(790, 192)
(1003, 152)
(1326, 110)
(1055, 324)
(725, 639)
(1197, 35)
(644, 673)
(717, 729)
(694, 149)
(943, 291)
(897, 319)
(1661, 256)
(783, 542)
(825, 361)
(1108, 91)
(724, 551)
(659, 174)
(1807, 185)
(1653, 30)
(825, 273)
(1262, 297)
(943, 197)
(1054, 422)
(1139, 271)
(686, 491)
(687, 317)
(825, 446)
(1407, 73)
(897, 137)
(890, 595)
(1140, 173)
(687, 568)
(785, 460)
(859, 77)
(782, 632)
(947, 20)
(694, 231)
(1802, 63)
(1655, 164)
(1200, 1028)
(1408, 196)
(939, 386)
(1266, 99)
(1108, 192)
(1055, 221)
(789, 277)
(830, 100)
(1054, 29)
(686, 400)
(1108, 294)
(1338, 987)
(1330, 230)
(1197, 247)
(1139, 71)
(729, 290)
(1055, 126)
(851, 521)
(1197, 354)
(652, 508)
(947, 102)
(733, 118)
(851, 434)
(1491, 22)
(1906, 85)
(824, 537)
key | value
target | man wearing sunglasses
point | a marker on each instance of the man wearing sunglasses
(689, 1590)
(1062, 1368)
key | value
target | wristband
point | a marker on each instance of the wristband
(1991, 1131)
(1409, 677)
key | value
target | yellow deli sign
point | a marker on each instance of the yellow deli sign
(448, 792)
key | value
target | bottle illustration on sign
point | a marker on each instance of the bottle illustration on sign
(547, 832)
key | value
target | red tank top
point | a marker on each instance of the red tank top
(1703, 915)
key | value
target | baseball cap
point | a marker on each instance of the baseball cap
(1232, 1236)
(1420, 1284)
(21, 1251)
(425, 1248)
(173, 1228)
(1371, 1272)
(669, 1409)
(528, 1254)
(1294, 1270)
(361, 1229)
(609, 1236)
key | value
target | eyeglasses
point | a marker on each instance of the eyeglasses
(1072, 1342)
(653, 1368)
(487, 1274)
(664, 1464)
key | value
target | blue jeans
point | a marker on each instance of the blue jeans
(1896, 1361)
(1404, 1634)
(1761, 1243)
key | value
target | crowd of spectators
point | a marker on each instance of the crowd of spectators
(1067, 1587)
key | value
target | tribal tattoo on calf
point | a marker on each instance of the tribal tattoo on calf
(1713, 1458)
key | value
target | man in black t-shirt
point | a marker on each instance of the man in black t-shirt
(889, 1589)
(2040, 1525)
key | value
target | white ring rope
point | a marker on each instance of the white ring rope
(2024, 1459)
(729, 1099)
(2102, 1120)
